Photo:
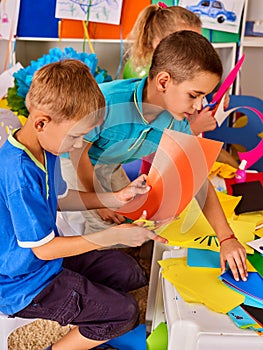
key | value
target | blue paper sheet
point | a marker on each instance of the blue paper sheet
(133, 340)
(253, 287)
(203, 258)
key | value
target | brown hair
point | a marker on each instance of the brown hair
(152, 25)
(183, 54)
(66, 90)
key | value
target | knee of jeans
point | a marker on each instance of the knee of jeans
(135, 278)
(130, 317)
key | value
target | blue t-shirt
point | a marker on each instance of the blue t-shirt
(28, 205)
(125, 135)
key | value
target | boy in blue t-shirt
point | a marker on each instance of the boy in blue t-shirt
(44, 275)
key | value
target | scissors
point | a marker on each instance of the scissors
(154, 224)
(149, 224)
(226, 84)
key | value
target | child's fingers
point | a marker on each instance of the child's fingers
(157, 238)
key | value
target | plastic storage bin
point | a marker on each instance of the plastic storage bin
(195, 327)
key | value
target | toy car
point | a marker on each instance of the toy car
(213, 9)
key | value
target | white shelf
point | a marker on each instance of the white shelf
(65, 40)
(224, 45)
(252, 41)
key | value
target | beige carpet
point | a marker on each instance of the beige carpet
(41, 333)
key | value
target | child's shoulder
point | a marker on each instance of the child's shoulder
(123, 85)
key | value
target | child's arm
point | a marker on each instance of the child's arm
(86, 175)
(85, 170)
(231, 250)
(127, 234)
(78, 200)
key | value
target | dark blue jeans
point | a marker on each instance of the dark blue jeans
(91, 292)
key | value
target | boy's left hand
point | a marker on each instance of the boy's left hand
(233, 253)
(138, 186)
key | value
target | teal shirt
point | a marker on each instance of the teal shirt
(125, 135)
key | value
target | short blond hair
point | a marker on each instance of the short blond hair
(65, 90)
(154, 23)
(184, 54)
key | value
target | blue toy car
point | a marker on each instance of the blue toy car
(213, 9)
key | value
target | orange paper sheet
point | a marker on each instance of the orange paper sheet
(180, 167)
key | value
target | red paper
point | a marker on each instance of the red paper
(249, 177)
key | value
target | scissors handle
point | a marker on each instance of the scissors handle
(211, 105)
(150, 224)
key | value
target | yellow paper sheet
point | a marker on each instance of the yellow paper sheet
(223, 170)
(200, 285)
(228, 203)
(192, 230)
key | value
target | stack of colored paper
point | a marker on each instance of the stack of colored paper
(249, 314)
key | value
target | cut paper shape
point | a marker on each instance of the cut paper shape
(252, 196)
(249, 135)
(200, 285)
(179, 169)
(192, 230)
(253, 287)
(220, 94)
(253, 155)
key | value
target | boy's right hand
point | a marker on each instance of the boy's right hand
(202, 121)
(131, 235)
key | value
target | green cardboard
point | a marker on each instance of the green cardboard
(158, 339)
(218, 36)
(167, 2)
(256, 260)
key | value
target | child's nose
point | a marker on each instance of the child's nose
(198, 103)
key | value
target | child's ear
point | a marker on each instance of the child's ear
(162, 81)
(41, 122)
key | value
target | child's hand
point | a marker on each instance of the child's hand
(226, 101)
(202, 121)
(138, 186)
(131, 235)
(110, 216)
(234, 253)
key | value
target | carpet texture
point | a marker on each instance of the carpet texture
(40, 334)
